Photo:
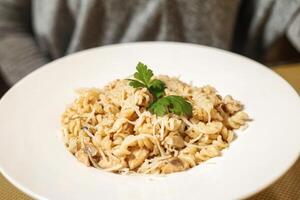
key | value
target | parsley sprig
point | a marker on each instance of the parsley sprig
(161, 104)
(171, 104)
(143, 78)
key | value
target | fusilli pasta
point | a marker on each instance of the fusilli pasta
(111, 129)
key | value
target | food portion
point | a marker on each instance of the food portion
(150, 124)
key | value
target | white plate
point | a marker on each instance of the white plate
(33, 157)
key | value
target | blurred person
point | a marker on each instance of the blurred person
(34, 32)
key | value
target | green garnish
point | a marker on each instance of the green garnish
(143, 78)
(171, 104)
(161, 104)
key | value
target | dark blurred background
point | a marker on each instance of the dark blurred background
(34, 32)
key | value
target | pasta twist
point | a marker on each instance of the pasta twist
(111, 129)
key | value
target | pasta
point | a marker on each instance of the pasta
(111, 128)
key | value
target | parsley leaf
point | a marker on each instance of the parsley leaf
(135, 83)
(171, 104)
(157, 88)
(143, 74)
(143, 78)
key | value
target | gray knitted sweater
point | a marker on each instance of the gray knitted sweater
(33, 32)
